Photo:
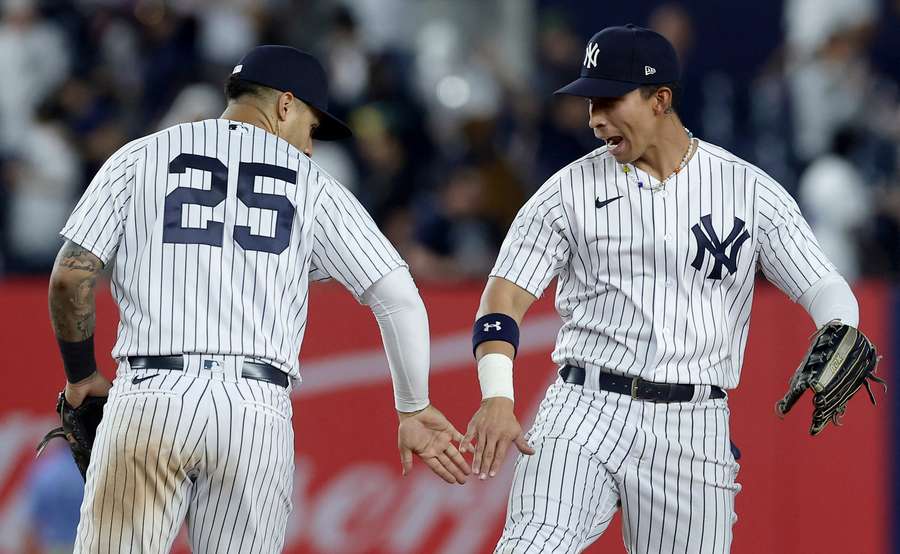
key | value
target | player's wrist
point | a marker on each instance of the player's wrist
(86, 382)
(408, 414)
(495, 376)
(78, 359)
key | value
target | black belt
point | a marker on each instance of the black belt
(636, 387)
(249, 370)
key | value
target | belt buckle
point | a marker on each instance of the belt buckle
(634, 387)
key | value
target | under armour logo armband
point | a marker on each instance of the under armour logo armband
(495, 326)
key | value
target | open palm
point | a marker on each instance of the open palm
(429, 435)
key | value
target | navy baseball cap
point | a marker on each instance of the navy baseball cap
(618, 60)
(290, 70)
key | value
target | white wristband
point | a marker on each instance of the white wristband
(495, 375)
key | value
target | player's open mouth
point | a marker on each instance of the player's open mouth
(616, 144)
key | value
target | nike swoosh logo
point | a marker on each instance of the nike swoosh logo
(135, 380)
(600, 203)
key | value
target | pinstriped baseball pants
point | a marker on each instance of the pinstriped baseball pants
(668, 466)
(205, 446)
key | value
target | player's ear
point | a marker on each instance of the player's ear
(663, 100)
(285, 99)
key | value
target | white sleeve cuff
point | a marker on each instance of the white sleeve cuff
(831, 298)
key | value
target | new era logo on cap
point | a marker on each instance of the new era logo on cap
(648, 70)
(237, 69)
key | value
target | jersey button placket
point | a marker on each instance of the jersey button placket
(669, 268)
(662, 252)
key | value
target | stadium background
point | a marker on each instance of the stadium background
(455, 127)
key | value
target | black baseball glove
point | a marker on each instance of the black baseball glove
(79, 427)
(839, 362)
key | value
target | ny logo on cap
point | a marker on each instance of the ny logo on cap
(590, 55)
(648, 70)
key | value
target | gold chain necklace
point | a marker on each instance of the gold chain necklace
(628, 168)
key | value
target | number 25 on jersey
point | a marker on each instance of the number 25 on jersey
(212, 235)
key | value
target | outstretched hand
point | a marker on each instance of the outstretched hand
(429, 435)
(494, 426)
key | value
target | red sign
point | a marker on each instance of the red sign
(800, 494)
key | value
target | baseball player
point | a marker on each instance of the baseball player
(655, 238)
(211, 231)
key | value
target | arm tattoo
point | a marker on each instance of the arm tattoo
(72, 309)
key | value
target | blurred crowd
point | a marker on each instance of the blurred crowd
(450, 101)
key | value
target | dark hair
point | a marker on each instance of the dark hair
(235, 87)
(649, 90)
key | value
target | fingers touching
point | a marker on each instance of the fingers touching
(458, 460)
(488, 441)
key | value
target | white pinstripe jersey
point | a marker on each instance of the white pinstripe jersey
(215, 229)
(658, 284)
